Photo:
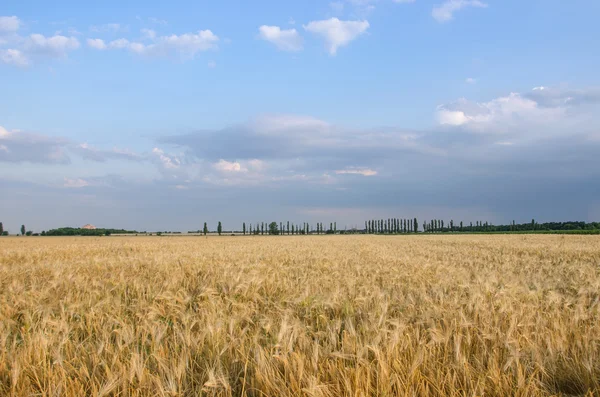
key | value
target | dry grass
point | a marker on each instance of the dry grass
(300, 316)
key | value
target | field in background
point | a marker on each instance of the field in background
(300, 316)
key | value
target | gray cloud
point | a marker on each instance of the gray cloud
(520, 156)
(17, 146)
(88, 152)
(557, 97)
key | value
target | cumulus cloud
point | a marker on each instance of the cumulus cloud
(168, 162)
(285, 40)
(228, 166)
(13, 57)
(186, 46)
(97, 44)
(56, 46)
(337, 33)
(9, 24)
(445, 12)
(501, 115)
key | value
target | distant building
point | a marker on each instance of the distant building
(89, 227)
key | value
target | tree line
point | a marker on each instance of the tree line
(373, 226)
(276, 229)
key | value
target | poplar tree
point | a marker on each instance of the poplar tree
(244, 228)
(219, 228)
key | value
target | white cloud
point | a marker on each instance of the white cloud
(97, 44)
(357, 171)
(186, 45)
(337, 33)
(450, 117)
(57, 45)
(9, 24)
(539, 114)
(119, 43)
(501, 112)
(13, 57)
(227, 166)
(445, 12)
(168, 162)
(471, 80)
(148, 34)
(285, 40)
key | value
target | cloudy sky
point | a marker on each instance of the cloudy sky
(159, 115)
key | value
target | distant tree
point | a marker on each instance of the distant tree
(28, 233)
(288, 227)
(416, 225)
(23, 230)
(461, 226)
(334, 227)
(451, 225)
(219, 228)
(273, 230)
(244, 228)
(1, 229)
(532, 224)
(205, 230)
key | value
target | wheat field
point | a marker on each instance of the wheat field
(300, 316)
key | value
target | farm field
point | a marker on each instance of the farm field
(426, 315)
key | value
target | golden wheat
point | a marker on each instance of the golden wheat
(300, 316)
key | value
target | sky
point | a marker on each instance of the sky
(154, 115)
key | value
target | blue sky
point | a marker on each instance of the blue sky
(163, 115)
